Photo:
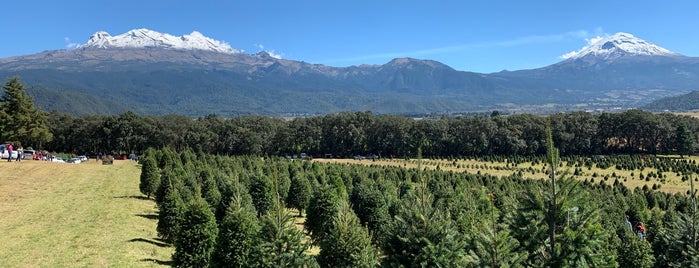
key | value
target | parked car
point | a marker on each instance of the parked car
(5, 154)
(29, 154)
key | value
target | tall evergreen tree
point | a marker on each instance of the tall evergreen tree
(322, 208)
(424, 236)
(494, 245)
(261, 191)
(299, 193)
(348, 244)
(197, 236)
(282, 243)
(237, 240)
(21, 122)
(170, 212)
(150, 176)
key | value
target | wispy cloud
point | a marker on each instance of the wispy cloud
(271, 52)
(520, 41)
(598, 33)
(69, 43)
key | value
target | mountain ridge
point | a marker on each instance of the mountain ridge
(167, 79)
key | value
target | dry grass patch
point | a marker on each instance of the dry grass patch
(84, 215)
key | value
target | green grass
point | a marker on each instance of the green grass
(86, 215)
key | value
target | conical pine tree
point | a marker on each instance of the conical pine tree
(20, 121)
(348, 244)
(237, 240)
(282, 245)
(150, 176)
(197, 236)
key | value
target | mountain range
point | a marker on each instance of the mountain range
(156, 73)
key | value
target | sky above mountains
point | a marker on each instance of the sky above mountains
(479, 36)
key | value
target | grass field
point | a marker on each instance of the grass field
(671, 184)
(84, 215)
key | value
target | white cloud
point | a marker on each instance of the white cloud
(593, 40)
(598, 35)
(271, 52)
(69, 44)
(525, 40)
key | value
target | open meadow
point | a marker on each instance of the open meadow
(671, 182)
(77, 215)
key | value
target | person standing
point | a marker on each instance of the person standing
(9, 152)
(20, 153)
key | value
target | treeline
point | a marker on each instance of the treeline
(237, 212)
(362, 133)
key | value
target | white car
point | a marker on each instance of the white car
(5, 153)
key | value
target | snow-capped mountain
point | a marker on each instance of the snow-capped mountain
(144, 38)
(155, 73)
(618, 45)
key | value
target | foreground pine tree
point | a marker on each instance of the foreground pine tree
(197, 237)
(20, 121)
(150, 176)
(170, 208)
(299, 193)
(348, 244)
(238, 235)
(423, 235)
(281, 243)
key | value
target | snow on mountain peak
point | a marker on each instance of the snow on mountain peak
(144, 38)
(618, 45)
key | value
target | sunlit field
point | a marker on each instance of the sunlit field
(77, 215)
(671, 181)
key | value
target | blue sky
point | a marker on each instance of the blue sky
(480, 36)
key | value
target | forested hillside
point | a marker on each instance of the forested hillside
(220, 210)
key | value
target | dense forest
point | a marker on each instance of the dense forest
(239, 211)
(362, 133)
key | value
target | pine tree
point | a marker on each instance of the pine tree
(424, 236)
(573, 234)
(197, 236)
(634, 252)
(21, 122)
(170, 212)
(348, 244)
(494, 245)
(261, 191)
(371, 208)
(322, 208)
(237, 240)
(299, 193)
(282, 244)
(150, 176)
(210, 190)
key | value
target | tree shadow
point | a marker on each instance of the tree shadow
(139, 197)
(159, 244)
(159, 262)
(148, 216)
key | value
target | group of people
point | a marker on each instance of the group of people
(10, 149)
(639, 229)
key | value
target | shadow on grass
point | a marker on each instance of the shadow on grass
(148, 216)
(139, 197)
(160, 244)
(159, 262)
